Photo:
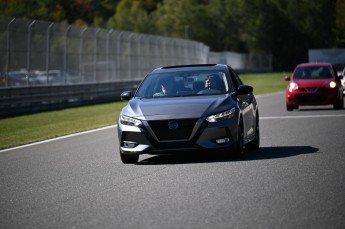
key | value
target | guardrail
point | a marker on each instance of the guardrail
(24, 100)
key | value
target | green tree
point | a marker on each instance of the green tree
(284, 28)
(85, 12)
(130, 15)
(223, 24)
(212, 25)
(314, 20)
(32, 9)
(268, 30)
(339, 29)
(287, 29)
(176, 18)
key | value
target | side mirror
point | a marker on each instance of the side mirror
(245, 89)
(127, 95)
(287, 78)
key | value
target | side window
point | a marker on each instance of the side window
(235, 79)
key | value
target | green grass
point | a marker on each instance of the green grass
(265, 83)
(26, 129)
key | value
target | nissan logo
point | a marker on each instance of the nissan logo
(172, 125)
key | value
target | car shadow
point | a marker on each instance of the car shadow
(264, 153)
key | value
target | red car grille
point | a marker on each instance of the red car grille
(311, 89)
(311, 97)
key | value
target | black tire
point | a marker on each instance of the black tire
(255, 143)
(129, 158)
(239, 149)
(289, 108)
(339, 105)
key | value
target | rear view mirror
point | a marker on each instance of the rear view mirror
(287, 78)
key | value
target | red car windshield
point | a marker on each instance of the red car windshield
(315, 72)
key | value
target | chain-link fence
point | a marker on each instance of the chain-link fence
(46, 66)
(36, 52)
(243, 62)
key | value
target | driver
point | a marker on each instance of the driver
(211, 82)
(167, 88)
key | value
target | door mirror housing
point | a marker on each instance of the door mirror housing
(126, 95)
(245, 89)
(287, 78)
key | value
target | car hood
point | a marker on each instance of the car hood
(177, 108)
(312, 83)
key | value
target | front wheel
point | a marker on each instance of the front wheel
(239, 149)
(290, 108)
(339, 104)
(129, 158)
(255, 143)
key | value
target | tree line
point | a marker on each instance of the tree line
(284, 28)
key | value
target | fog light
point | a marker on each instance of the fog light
(129, 144)
(222, 140)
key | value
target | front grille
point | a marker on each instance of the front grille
(311, 89)
(164, 133)
(311, 97)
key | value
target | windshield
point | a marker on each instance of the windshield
(179, 84)
(318, 72)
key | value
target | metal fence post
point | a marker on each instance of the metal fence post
(129, 55)
(150, 58)
(48, 49)
(81, 43)
(8, 49)
(164, 51)
(108, 53)
(28, 61)
(119, 53)
(95, 55)
(139, 55)
(65, 53)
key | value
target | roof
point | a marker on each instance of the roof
(313, 64)
(190, 68)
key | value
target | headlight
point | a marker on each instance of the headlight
(125, 120)
(332, 84)
(293, 86)
(222, 116)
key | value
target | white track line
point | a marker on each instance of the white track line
(302, 116)
(269, 94)
(58, 138)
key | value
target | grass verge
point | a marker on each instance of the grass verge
(26, 129)
(265, 83)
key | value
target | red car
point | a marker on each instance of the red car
(314, 84)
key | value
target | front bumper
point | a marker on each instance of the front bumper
(194, 135)
(323, 96)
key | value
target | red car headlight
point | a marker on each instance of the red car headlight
(332, 84)
(293, 86)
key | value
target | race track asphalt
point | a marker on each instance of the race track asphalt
(295, 180)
